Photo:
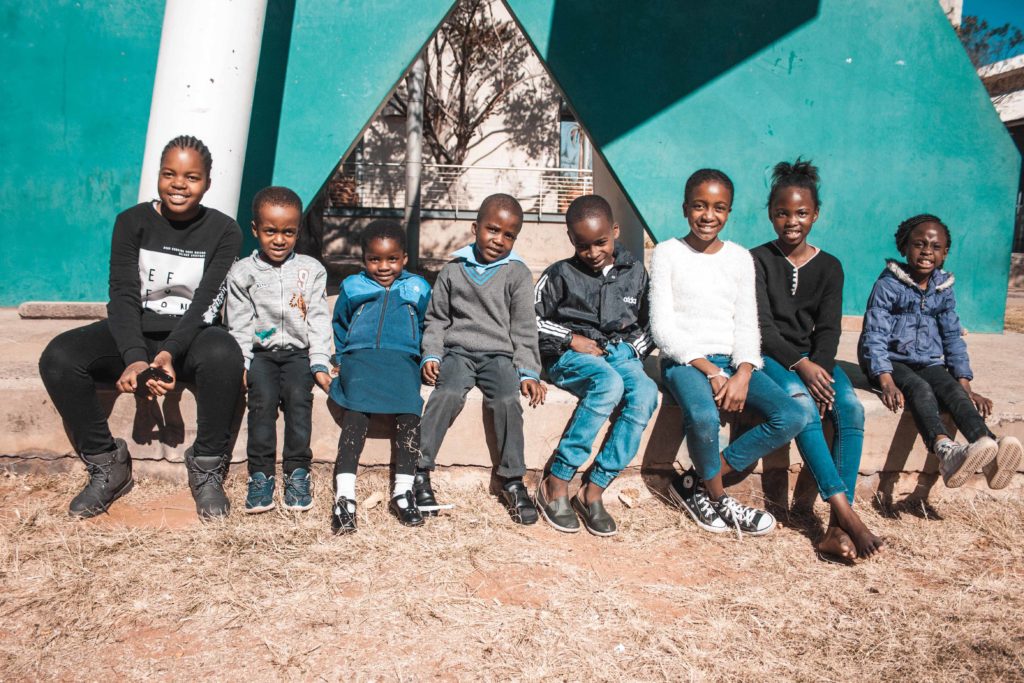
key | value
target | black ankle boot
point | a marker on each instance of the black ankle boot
(206, 479)
(110, 477)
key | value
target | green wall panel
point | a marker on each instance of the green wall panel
(77, 83)
(344, 58)
(878, 93)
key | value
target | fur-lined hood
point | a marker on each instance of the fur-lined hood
(940, 278)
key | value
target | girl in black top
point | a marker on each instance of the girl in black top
(168, 260)
(800, 309)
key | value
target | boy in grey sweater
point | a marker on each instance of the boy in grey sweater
(481, 330)
(277, 311)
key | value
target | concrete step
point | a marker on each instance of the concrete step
(158, 432)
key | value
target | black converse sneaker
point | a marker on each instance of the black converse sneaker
(687, 492)
(747, 520)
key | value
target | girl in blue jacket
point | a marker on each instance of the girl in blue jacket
(378, 324)
(912, 350)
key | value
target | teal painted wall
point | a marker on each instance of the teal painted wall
(878, 93)
(77, 80)
(343, 60)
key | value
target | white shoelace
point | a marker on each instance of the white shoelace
(738, 513)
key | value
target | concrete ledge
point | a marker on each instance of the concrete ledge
(158, 432)
(63, 310)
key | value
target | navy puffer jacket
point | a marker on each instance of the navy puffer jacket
(906, 324)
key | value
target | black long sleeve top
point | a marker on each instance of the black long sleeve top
(167, 278)
(800, 310)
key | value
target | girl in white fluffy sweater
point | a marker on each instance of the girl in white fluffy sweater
(704, 320)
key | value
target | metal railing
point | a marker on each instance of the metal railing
(458, 189)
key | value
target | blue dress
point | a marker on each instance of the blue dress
(377, 334)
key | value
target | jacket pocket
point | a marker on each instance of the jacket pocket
(352, 325)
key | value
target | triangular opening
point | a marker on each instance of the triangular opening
(494, 120)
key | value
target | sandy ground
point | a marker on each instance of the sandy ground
(1014, 320)
(149, 592)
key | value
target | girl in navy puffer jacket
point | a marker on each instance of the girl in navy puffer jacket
(912, 350)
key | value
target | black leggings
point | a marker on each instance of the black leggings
(405, 448)
(73, 362)
(926, 389)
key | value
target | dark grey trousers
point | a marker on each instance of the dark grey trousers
(499, 382)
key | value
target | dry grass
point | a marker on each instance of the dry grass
(471, 596)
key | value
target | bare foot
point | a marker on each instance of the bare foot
(838, 544)
(868, 545)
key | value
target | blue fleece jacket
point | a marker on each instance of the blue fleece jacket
(906, 324)
(369, 316)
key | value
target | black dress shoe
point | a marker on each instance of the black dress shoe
(409, 515)
(520, 506)
(343, 521)
(424, 493)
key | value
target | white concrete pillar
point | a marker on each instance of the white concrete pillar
(205, 78)
(631, 228)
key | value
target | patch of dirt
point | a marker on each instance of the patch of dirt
(147, 592)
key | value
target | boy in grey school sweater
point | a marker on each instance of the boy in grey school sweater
(277, 311)
(481, 330)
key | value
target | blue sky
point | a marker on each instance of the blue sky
(998, 12)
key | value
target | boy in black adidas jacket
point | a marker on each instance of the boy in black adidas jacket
(594, 335)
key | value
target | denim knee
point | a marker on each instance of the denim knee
(808, 408)
(604, 393)
(55, 362)
(850, 410)
(788, 418)
(701, 421)
(296, 395)
(642, 401)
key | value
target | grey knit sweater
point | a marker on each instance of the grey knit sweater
(484, 311)
(284, 307)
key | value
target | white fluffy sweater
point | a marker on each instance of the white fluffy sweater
(703, 304)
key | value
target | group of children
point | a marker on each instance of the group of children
(735, 329)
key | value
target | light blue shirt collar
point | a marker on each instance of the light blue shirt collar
(468, 254)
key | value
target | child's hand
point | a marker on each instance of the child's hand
(245, 380)
(323, 380)
(891, 396)
(163, 361)
(733, 396)
(817, 381)
(581, 344)
(536, 391)
(126, 382)
(984, 405)
(430, 372)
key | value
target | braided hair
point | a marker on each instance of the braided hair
(907, 227)
(193, 143)
(800, 174)
(706, 175)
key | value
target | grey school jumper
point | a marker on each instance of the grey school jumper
(276, 308)
(482, 328)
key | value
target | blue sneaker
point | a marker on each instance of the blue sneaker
(261, 493)
(298, 491)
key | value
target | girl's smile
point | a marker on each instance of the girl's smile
(707, 210)
(384, 260)
(182, 182)
(793, 213)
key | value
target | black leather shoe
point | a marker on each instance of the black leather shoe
(110, 477)
(409, 515)
(343, 521)
(595, 517)
(424, 493)
(517, 499)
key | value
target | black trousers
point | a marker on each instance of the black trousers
(280, 378)
(73, 362)
(928, 389)
(405, 448)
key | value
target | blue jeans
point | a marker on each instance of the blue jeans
(835, 469)
(602, 382)
(783, 417)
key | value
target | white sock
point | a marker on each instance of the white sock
(345, 487)
(403, 484)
